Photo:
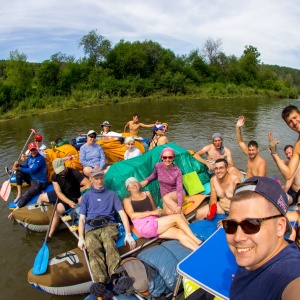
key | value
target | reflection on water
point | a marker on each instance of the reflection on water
(191, 125)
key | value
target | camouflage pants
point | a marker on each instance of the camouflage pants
(103, 253)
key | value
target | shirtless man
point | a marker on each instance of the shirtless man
(213, 152)
(292, 186)
(291, 116)
(134, 125)
(256, 165)
(222, 187)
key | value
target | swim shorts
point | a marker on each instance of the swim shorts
(294, 195)
(146, 227)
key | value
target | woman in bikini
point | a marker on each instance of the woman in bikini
(170, 182)
(158, 137)
(149, 221)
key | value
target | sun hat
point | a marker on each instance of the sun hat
(58, 165)
(129, 139)
(130, 180)
(96, 171)
(157, 127)
(271, 190)
(92, 132)
(32, 146)
(105, 123)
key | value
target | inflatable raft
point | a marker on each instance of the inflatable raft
(35, 217)
(68, 273)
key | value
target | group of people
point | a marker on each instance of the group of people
(256, 224)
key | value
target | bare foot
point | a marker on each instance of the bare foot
(17, 198)
(10, 215)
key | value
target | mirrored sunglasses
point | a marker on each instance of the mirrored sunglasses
(249, 226)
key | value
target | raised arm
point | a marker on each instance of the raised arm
(198, 156)
(287, 170)
(241, 143)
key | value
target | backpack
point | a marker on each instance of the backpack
(133, 267)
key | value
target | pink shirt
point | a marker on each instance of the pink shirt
(169, 180)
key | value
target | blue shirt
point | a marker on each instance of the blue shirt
(36, 167)
(99, 203)
(92, 155)
(268, 281)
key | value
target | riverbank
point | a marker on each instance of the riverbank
(78, 99)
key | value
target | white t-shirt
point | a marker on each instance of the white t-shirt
(130, 154)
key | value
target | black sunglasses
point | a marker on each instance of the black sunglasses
(92, 136)
(249, 226)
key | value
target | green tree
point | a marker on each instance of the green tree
(48, 77)
(249, 64)
(19, 73)
(95, 46)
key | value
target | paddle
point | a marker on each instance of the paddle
(6, 187)
(84, 250)
(41, 260)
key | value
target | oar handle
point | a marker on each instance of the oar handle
(31, 133)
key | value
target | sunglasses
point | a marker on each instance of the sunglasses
(167, 157)
(249, 226)
(37, 141)
(92, 136)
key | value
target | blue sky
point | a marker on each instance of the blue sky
(40, 28)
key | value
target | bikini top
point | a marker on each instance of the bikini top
(141, 205)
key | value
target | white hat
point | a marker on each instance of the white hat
(92, 132)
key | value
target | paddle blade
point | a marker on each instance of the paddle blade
(41, 261)
(5, 190)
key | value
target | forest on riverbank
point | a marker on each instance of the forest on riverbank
(136, 70)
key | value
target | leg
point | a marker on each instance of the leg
(170, 202)
(49, 197)
(164, 223)
(35, 187)
(202, 212)
(109, 235)
(43, 198)
(87, 171)
(19, 179)
(96, 255)
(177, 234)
(60, 209)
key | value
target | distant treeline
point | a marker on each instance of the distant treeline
(136, 70)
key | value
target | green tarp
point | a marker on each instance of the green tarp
(142, 166)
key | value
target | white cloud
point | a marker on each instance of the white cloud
(42, 28)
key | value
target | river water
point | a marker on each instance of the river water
(192, 123)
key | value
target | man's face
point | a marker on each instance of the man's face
(135, 119)
(293, 121)
(252, 151)
(253, 250)
(97, 181)
(288, 152)
(220, 170)
(33, 152)
(217, 142)
(63, 173)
